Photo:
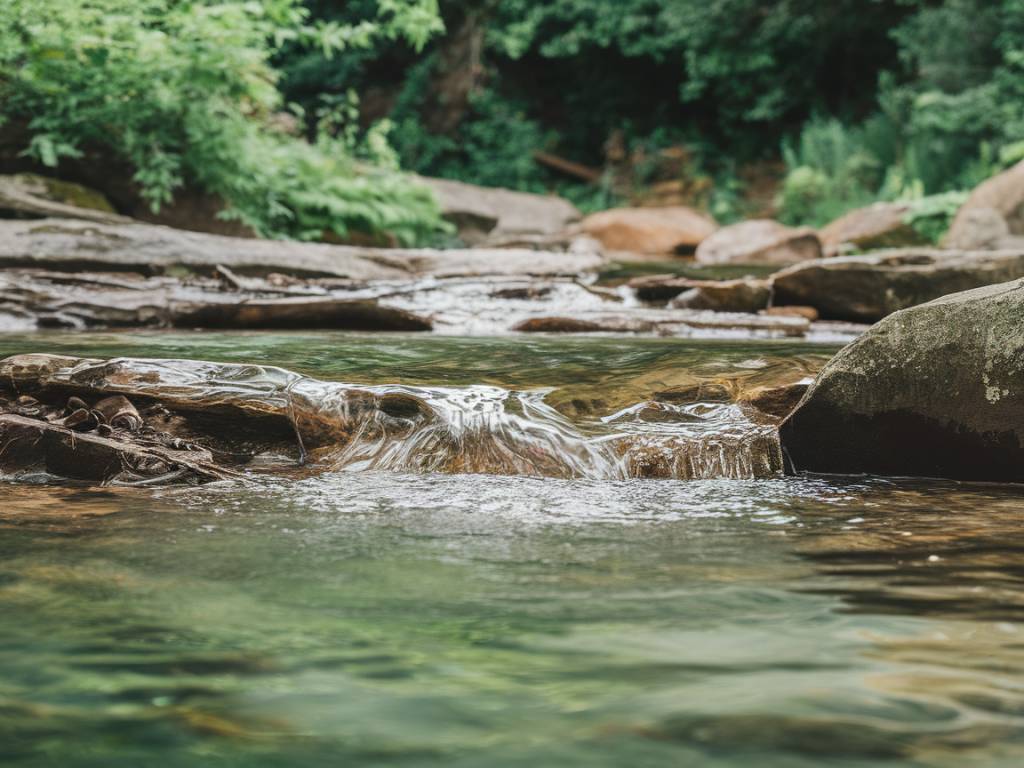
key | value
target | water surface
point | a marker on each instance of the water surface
(380, 618)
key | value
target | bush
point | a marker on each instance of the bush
(185, 92)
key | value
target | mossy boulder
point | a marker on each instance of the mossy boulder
(932, 391)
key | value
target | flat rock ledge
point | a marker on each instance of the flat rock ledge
(69, 244)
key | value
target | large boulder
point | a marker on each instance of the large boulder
(1003, 193)
(490, 214)
(882, 225)
(657, 231)
(759, 241)
(868, 288)
(933, 391)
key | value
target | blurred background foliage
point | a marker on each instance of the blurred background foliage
(796, 108)
(793, 108)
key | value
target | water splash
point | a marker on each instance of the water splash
(470, 429)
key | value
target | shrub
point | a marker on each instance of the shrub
(185, 92)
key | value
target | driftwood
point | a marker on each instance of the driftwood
(33, 444)
(568, 167)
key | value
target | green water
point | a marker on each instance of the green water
(378, 619)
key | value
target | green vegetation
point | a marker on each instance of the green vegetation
(864, 101)
(185, 93)
(299, 114)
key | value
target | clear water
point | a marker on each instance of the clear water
(380, 618)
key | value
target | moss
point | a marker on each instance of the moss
(70, 193)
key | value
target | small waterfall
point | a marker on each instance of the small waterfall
(473, 429)
(485, 429)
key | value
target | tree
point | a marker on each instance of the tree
(186, 93)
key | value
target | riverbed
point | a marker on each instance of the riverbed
(365, 617)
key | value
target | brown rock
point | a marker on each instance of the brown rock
(486, 214)
(983, 229)
(725, 295)
(882, 225)
(792, 310)
(1003, 193)
(776, 400)
(698, 392)
(670, 230)
(867, 288)
(300, 312)
(760, 241)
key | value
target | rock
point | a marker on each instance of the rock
(239, 409)
(760, 241)
(57, 299)
(34, 445)
(300, 312)
(150, 249)
(725, 295)
(777, 400)
(932, 391)
(659, 288)
(868, 288)
(665, 322)
(1003, 193)
(486, 214)
(882, 225)
(697, 392)
(981, 229)
(810, 313)
(672, 230)
(26, 195)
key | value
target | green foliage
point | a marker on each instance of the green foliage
(831, 172)
(931, 216)
(184, 91)
(494, 145)
(955, 119)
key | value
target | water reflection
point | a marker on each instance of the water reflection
(376, 618)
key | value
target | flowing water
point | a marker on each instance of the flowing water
(370, 617)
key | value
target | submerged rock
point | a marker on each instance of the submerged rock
(759, 241)
(868, 288)
(933, 391)
(656, 231)
(778, 400)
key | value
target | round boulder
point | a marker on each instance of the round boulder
(932, 391)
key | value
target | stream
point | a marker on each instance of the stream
(394, 611)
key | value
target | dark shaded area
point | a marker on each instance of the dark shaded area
(823, 439)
